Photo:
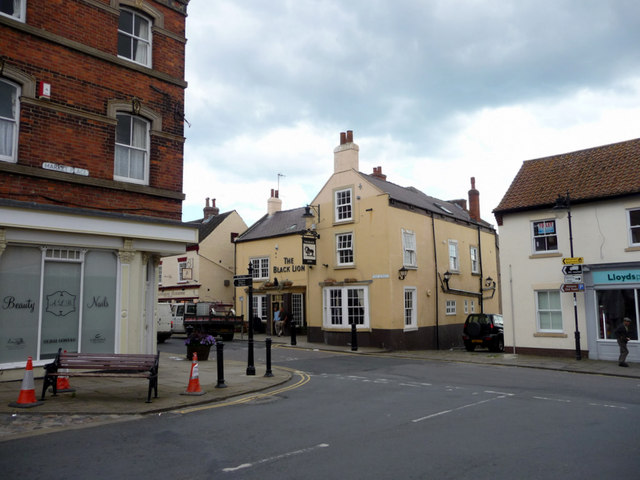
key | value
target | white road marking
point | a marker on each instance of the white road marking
(553, 399)
(475, 404)
(275, 458)
(607, 406)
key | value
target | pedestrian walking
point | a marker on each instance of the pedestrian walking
(622, 335)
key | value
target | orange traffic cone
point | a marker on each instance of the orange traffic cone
(194, 382)
(27, 397)
(62, 383)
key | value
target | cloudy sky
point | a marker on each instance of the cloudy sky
(435, 91)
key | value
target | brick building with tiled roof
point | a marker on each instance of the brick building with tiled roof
(601, 188)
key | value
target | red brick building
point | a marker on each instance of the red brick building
(91, 159)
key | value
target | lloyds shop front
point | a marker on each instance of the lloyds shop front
(612, 293)
(78, 281)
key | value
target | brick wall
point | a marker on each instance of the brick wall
(74, 48)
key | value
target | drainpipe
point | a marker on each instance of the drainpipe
(435, 257)
(481, 273)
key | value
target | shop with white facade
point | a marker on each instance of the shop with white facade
(79, 282)
(613, 293)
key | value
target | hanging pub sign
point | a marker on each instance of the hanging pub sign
(308, 251)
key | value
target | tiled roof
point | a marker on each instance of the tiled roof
(208, 225)
(413, 196)
(286, 222)
(593, 174)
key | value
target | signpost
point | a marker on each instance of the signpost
(572, 269)
(573, 279)
(242, 280)
(572, 287)
(573, 260)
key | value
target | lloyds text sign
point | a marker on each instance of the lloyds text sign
(616, 276)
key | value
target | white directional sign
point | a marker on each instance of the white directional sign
(573, 279)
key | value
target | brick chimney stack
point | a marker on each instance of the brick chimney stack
(377, 172)
(345, 155)
(474, 201)
(210, 211)
(274, 204)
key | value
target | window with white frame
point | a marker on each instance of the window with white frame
(634, 227)
(344, 248)
(260, 268)
(182, 265)
(451, 307)
(132, 149)
(15, 9)
(343, 306)
(475, 264)
(409, 248)
(260, 307)
(454, 260)
(160, 274)
(466, 306)
(410, 308)
(297, 309)
(343, 201)
(9, 115)
(545, 236)
(134, 37)
(473, 306)
(549, 311)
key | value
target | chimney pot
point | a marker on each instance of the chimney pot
(210, 210)
(474, 201)
(345, 155)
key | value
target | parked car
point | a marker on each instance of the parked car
(164, 321)
(485, 330)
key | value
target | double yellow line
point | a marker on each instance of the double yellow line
(304, 378)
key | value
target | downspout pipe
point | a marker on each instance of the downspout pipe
(435, 258)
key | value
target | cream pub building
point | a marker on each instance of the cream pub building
(405, 267)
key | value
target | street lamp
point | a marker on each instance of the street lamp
(564, 203)
(402, 273)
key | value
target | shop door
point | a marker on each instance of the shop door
(60, 308)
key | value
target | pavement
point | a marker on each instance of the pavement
(107, 400)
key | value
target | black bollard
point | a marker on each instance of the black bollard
(220, 362)
(268, 373)
(293, 333)
(354, 337)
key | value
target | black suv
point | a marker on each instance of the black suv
(484, 329)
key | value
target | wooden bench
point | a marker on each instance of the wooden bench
(102, 365)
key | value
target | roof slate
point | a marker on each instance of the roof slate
(285, 222)
(593, 174)
(413, 196)
(208, 225)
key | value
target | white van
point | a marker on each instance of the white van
(164, 321)
(178, 318)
